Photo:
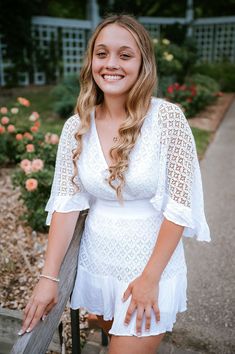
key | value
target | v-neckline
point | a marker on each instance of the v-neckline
(98, 139)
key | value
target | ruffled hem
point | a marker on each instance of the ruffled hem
(102, 295)
(181, 215)
(65, 204)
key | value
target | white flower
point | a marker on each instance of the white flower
(167, 56)
(166, 41)
(155, 41)
(14, 110)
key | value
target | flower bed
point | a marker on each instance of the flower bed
(23, 144)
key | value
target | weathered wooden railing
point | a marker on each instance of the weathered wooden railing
(39, 339)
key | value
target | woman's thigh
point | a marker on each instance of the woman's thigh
(135, 345)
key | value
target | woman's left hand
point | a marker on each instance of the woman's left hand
(144, 294)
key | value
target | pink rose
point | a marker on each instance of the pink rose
(28, 136)
(11, 128)
(37, 165)
(26, 166)
(34, 129)
(34, 116)
(19, 136)
(30, 148)
(3, 110)
(54, 139)
(5, 120)
(51, 138)
(31, 184)
(2, 129)
(37, 124)
(23, 101)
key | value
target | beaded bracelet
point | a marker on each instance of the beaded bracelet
(49, 277)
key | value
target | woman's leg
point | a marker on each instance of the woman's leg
(135, 345)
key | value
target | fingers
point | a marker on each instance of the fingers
(29, 314)
(129, 313)
(127, 293)
(47, 310)
(139, 318)
(36, 318)
(157, 312)
(27, 308)
(33, 312)
(148, 318)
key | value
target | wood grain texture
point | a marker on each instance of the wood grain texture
(39, 339)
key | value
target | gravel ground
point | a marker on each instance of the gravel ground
(21, 256)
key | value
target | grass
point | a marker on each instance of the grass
(202, 139)
(42, 101)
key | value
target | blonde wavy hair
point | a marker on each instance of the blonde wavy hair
(137, 103)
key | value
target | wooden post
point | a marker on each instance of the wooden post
(39, 339)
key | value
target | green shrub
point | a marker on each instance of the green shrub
(173, 62)
(223, 73)
(34, 199)
(195, 94)
(204, 82)
(66, 94)
(21, 141)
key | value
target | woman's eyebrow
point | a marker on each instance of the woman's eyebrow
(121, 48)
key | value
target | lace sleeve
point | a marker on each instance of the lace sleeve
(64, 195)
(180, 194)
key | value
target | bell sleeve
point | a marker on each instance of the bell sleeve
(65, 197)
(179, 193)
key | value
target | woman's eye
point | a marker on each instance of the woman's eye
(125, 56)
(101, 54)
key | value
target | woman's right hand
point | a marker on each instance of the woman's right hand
(43, 299)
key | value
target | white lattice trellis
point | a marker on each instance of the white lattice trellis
(43, 35)
(225, 42)
(74, 45)
(215, 38)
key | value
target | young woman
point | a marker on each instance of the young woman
(131, 159)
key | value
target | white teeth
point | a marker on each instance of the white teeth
(112, 77)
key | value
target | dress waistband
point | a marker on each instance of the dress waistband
(138, 207)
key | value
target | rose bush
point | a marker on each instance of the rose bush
(23, 143)
(173, 62)
(196, 93)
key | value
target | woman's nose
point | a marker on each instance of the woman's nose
(112, 63)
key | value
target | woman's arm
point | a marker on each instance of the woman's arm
(60, 235)
(45, 293)
(168, 238)
(144, 289)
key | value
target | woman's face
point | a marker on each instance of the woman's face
(116, 60)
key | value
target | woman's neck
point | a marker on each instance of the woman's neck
(114, 108)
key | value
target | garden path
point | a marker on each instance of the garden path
(210, 319)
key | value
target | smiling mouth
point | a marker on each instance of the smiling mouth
(112, 77)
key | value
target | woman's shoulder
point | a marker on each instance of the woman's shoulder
(167, 114)
(73, 121)
(71, 125)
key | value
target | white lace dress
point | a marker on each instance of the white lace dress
(163, 180)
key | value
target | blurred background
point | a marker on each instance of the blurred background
(42, 46)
